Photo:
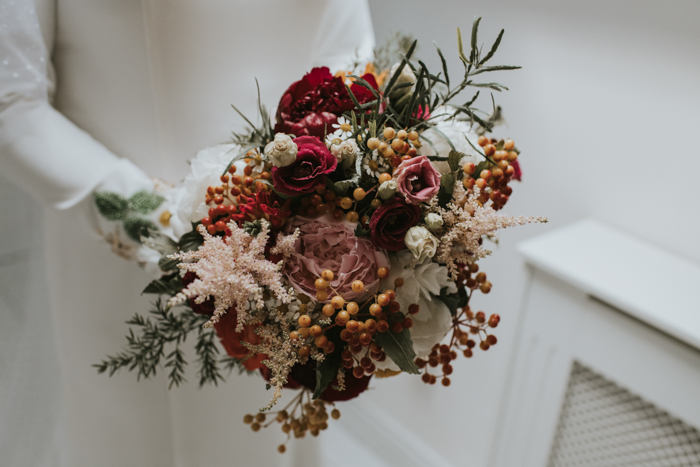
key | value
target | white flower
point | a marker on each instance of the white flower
(406, 76)
(343, 129)
(207, 168)
(433, 319)
(387, 189)
(433, 221)
(374, 164)
(457, 131)
(421, 243)
(345, 152)
(282, 151)
(257, 163)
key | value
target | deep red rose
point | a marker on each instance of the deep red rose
(389, 223)
(311, 105)
(232, 340)
(518, 174)
(205, 308)
(263, 205)
(305, 375)
(314, 161)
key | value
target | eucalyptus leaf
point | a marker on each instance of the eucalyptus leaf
(137, 227)
(111, 206)
(494, 47)
(447, 181)
(192, 240)
(453, 160)
(399, 347)
(145, 202)
(326, 371)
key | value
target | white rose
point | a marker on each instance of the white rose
(345, 152)
(282, 151)
(406, 76)
(433, 221)
(206, 170)
(421, 243)
(387, 189)
(421, 284)
(457, 131)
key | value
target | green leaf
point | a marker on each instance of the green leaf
(144, 201)
(326, 371)
(137, 227)
(166, 285)
(447, 182)
(399, 347)
(460, 47)
(166, 264)
(192, 240)
(454, 301)
(487, 69)
(111, 205)
(240, 155)
(475, 46)
(453, 160)
(494, 47)
(360, 232)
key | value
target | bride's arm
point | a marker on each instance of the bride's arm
(40, 149)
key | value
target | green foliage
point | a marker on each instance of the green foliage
(399, 347)
(454, 301)
(111, 205)
(326, 371)
(137, 227)
(167, 285)
(145, 202)
(156, 333)
(253, 228)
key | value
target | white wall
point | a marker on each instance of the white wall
(606, 110)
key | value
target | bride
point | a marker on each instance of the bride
(137, 88)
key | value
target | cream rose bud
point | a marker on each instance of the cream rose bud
(387, 189)
(282, 151)
(433, 221)
(421, 243)
(345, 152)
(406, 76)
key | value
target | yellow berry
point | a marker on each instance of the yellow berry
(321, 295)
(413, 135)
(397, 145)
(328, 310)
(376, 202)
(327, 275)
(304, 321)
(352, 308)
(315, 330)
(346, 203)
(373, 143)
(384, 177)
(281, 448)
(402, 135)
(508, 145)
(335, 413)
(389, 132)
(352, 216)
(248, 419)
(321, 284)
(358, 194)
(358, 286)
(337, 302)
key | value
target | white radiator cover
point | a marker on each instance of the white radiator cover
(606, 368)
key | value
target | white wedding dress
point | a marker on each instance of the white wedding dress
(149, 81)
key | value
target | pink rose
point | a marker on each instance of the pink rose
(329, 244)
(417, 179)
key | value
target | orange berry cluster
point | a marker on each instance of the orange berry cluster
(233, 190)
(396, 146)
(297, 418)
(493, 181)
(479, 281)
(359, 323)
(325, 201)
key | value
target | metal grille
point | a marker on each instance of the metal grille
(604, 425)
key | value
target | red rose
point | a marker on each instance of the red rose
(233, 341)
(263, 205)
(389, 223)
(311, 105)
(205, 308)
(305, 375)
(313, 162)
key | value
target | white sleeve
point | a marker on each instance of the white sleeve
(345, 32)
(47, 154)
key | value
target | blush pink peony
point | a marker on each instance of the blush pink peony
(329, 244)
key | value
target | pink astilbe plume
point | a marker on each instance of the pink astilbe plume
(234, 271)
(466, 221)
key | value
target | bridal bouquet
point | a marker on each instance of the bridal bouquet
(337, 243)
